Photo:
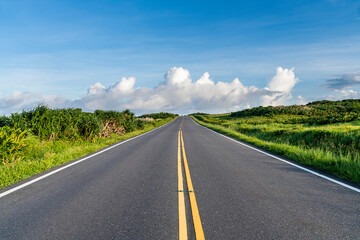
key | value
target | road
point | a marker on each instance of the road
(132, 191)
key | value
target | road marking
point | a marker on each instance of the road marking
(199, 232)
(285, 161)
(74, 163)
(182, 213)
(181, 123)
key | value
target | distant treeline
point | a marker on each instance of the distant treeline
(319, 112)
(161, 115)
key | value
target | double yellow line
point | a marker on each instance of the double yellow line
(199, 232)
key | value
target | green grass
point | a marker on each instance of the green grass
(333, 148)
(41, 155)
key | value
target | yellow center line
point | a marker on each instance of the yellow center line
(199, 232)
(182, 213)
(181, 124)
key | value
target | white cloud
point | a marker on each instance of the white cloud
(125, 86)
(96, 88)
(343, 94)
(178, 93)
(301, 100)
(55, 101)
(178, 76)
(281, 86)
(17, 101)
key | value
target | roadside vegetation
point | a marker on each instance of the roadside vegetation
(160, 115)
(323, 134)
(34, 141)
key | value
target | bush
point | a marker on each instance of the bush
(4, 121)
(53, 124)
(88, 125)
(139, 124)
(110, 115)
(161, 115)
(11, 143)
(125, 119)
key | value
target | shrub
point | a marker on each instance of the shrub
(53, 124)
(4, 121)
(161, 115)
(12, 141)
(125, 119)
(88, 125)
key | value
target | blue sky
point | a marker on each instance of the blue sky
(61, 48)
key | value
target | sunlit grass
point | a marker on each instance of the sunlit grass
(333, 148)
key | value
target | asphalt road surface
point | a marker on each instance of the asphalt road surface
(132, 191)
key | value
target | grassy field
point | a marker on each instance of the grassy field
(35, 141)
(324, 135)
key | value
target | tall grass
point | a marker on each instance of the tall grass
(54, 124)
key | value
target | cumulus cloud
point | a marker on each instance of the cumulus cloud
(125, 86)
(17, 101)
(178, 77)
(343, 94)
(177, 93)
(96, 88)
(55, 101)
(301, 100)
(343, 81)
(280, 87)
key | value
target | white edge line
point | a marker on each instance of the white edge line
(285, 161)
(76, 162)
